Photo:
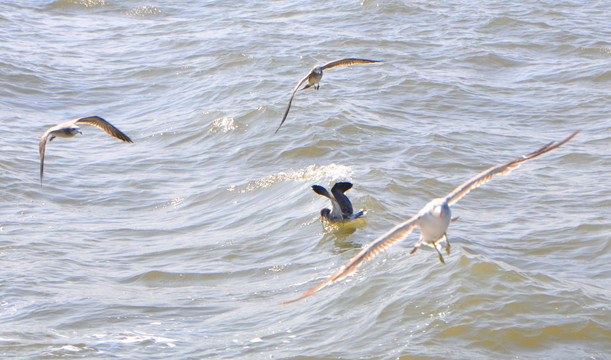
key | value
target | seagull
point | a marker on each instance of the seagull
(314, 76)
(70, 128)
(341, 208)
(433, 219)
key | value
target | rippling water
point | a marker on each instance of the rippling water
(185, 243)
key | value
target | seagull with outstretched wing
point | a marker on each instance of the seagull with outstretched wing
(314, 76)
(70, 128)
(433, 219)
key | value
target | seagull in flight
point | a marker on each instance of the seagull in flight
(70, 128)
(341, 208)
(314, 76)
(433, 219)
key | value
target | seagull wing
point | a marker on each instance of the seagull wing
(504, 168)
(347, 61)
(104, 125)
(395, 234)
(338, 191)
(291, 100)
(336, 209)
(42, 145)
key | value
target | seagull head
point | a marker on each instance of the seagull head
(75, 130)
(71, 131)
(325, 213)
(439, 207)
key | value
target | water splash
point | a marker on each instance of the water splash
(224, 124)
(310, 172)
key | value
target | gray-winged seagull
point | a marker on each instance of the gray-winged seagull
(341, 207)
(70, 128)
(314, 76)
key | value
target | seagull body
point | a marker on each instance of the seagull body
(315, 75)
(70, 128)
(341, 207)
(433, 219)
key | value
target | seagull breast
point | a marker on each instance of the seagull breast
(435, 220)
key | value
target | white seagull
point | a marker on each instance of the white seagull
(433, 219)
(70, 128)
(314, 76)
(341, 207)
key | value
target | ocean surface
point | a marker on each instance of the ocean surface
(184, 244)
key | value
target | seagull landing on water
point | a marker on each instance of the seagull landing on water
(70, 128)
(433, 219)
(341, 208)
(314, 76)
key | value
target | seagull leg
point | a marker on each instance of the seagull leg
(447, 243)
(440, 257)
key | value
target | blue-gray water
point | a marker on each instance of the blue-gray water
(184, 244)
